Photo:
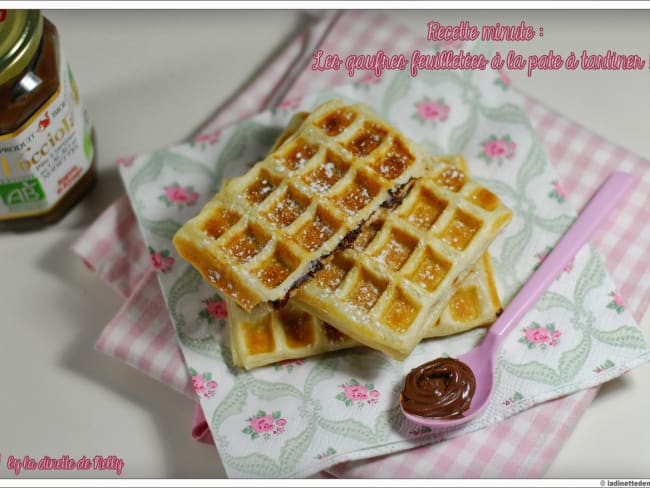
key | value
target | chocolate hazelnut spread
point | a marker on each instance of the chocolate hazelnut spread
(442, 388)
(47, 150)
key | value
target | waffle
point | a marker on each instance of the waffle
(407, 262)
(258, 339)
(267, 230)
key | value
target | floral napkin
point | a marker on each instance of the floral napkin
(299, 417)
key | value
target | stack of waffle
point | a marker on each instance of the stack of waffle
(347, 234)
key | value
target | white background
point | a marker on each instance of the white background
(149, 79)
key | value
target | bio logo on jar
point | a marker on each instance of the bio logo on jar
(22, 195)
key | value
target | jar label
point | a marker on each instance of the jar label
(42, 160)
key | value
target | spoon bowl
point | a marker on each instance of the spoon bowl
(482, 359)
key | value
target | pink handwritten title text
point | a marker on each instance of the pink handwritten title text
(445, 58)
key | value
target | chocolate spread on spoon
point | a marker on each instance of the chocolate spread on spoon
(442, 388)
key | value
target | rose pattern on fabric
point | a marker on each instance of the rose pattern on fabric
(558, 192)
(161, 260)
(604, 366)
(617, 302)
(357, 393)
(214, 310)
(175, 194)
(366, 81)
(288, 364)
(496, 149)
(513, 399)
(544, 254)
(536, 335)
(206, 139)
(265, 425)
(203, 384)
(431, 111)
(503, 80)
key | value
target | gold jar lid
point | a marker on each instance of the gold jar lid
(20, 36)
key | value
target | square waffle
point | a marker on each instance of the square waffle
(267, 230)
(258, 339)
(407, 262)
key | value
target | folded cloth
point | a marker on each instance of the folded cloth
(563, 345)
(481, 462)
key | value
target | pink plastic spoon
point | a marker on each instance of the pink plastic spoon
(481, 360)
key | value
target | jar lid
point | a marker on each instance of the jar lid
(20, 36)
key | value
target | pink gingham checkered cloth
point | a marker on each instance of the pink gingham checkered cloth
(142, 334)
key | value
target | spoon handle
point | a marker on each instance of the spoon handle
(593, 214)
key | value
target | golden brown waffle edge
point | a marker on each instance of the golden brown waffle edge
(407, 263)
(259, 339)
(268, 229)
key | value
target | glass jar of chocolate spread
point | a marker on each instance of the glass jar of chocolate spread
(47, 149)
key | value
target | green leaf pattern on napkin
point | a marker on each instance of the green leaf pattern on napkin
(189, 283)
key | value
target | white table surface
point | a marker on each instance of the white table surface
(149, 78)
